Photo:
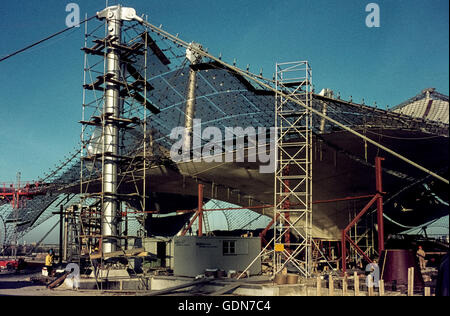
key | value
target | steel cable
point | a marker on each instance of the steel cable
(45, 39)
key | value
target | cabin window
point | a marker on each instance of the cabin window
(229, 247)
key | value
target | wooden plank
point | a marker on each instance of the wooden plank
(58, 281)
(356, 283)
(93, 51)
(330, 285)
(226, 289)
(410, 281)
(319, 286)
(177, 287)
(344, 285)
(42, 280)
(381, 289)
(370, 285)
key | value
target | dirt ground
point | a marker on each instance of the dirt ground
(20, 285)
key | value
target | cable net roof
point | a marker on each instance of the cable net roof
(223, 98)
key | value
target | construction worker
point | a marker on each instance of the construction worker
(373, 274)
(49, 260)
(95, 263)
(421, 255)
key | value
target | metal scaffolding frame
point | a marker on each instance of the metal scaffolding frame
(363, 236)
(114, 137)
(293, 174)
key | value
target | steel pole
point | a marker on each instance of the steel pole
(111, 136)
(200, 209)
(190, 112)
(344, 252)
(379, 188)
(61, 225)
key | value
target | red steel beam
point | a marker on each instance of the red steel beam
(378, 197)
(358, 249)
(269, 206)
(198, 213)
(379, 187)
(264, 232)
(14, 195)
(349, 198)
(200, 209)
(238, 208)
(360, 214)
(183, 233)
(349, 226)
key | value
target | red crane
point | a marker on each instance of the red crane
(14, 193)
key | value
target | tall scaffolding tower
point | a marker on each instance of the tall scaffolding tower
(114, 120)
(293, 174)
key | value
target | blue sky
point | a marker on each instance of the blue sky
(41, 89)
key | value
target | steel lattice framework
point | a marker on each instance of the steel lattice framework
(114, 135)
(293, 174)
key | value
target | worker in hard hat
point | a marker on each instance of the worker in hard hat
(95, 263)
(49, 261)
(421, 255)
